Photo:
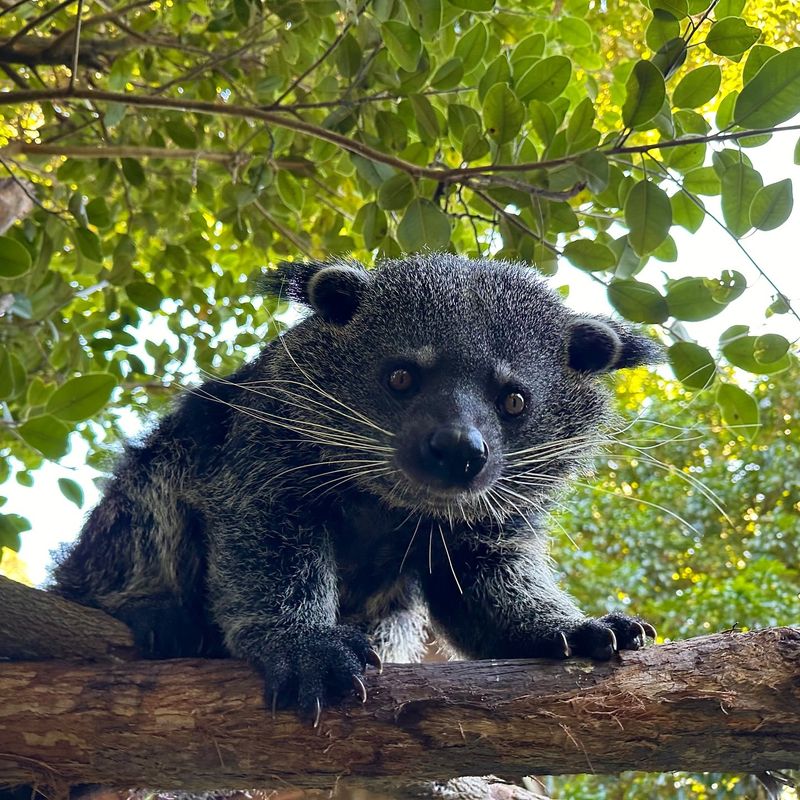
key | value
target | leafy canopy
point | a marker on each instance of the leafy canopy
(173, 150)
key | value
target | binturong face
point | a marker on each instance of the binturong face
(469, 388)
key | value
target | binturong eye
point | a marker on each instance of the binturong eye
(512, 403)
(401, 380)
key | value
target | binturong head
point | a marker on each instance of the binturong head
(466, 387)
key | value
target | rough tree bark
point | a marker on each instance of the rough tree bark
(728, 702)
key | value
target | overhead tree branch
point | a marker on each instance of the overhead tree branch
(283, 120)
(17, 147)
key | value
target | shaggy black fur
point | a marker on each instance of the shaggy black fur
(303, 511)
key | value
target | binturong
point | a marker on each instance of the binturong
(381, 471)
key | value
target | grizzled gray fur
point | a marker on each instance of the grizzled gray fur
(381, 470)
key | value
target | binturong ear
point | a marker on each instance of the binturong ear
(332, 289)
(602, 344)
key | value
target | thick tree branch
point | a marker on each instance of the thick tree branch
(36, 625)
(47, 52)
(728, 702)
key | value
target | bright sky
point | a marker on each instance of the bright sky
(705, 254)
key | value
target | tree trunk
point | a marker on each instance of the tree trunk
(727, 702)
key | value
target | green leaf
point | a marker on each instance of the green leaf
(403, 43)
(698, 87)
(133, 172)
(424, 227)
(98, 213)
(82, 397)
(773, 95)
(637, 301)
(6, 374)
(739, 409)
(15, 260)
(181, 133)
(542, 120)
(474, 144)
(449, 74)
(425, 16)
(728, 8)
(740, 349)
(581, 121)
(645, 94)
(772, 205)
(88, 243)
(371, 223)
(590, 255)
(756, 58)
(691, 300)
(545, 80)
(397, 192)
(595, 169)
(46, 434)
(740, 184)
(473, 5)
(692, 364)
(471, 47)
(661, 29)
(530, 47)
(145, 295)
(348, 56)
(770, 347)
(289, 190)
(670, 56)
(498, 71)
(703, 180)
(71, 490)
(728, 287)
(426, 117)
(648, 215)
(574, 31)
(686, 213)
(677, 8)
(731, 36)
(502, 113)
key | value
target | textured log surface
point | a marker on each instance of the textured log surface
(730, 701)
(35, 624)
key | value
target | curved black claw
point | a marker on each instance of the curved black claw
(316, 669)
(374, 659)
(317, 713)
(360, 689)
(602, 638)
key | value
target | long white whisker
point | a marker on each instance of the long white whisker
(450, 560)
(411, 542)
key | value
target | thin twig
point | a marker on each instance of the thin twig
(516, 221)
(328, 50)
(76, 47)
(28, 193)
(287, 233)
(13, 7)
(34, 23)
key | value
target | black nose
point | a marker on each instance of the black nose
(455, 453)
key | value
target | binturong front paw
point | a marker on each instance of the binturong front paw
(601, 638)
(317, 668)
